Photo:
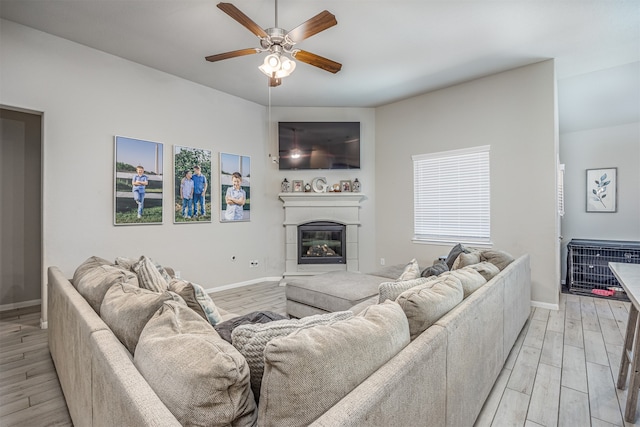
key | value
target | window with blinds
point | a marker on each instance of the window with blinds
(452, 196)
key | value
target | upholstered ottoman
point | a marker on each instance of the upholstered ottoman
(329, 292)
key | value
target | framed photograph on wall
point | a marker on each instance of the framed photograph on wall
(602, 193)
(191, 185)
(235, 188)
(137, 181)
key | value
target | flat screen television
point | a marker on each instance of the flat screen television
(319, 145)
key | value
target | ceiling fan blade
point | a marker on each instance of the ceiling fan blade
(317, 61)
(232, 54)
(273, 82)
(243, 19)
(320, 22)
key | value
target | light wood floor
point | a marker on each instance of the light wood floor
(561, 372)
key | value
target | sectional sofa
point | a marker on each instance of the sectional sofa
(359, 370)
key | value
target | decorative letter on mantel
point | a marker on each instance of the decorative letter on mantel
(302, 208)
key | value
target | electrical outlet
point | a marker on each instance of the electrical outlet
(253, 263)
(177, 274)
(381, 261)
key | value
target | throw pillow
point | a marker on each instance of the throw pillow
(149, 276)
(464, 259)
(411, 271)
(498, 258)
(391, 290)
(436, 269)
(89, 264)
(95, 283)
(486, 269)
(250, 340)
(126, 310)
(126, 263)
(453, 254)
(225, 329)
(308, 371)
(425, 304)
(197, 299)
(469, 278)
(200, 377)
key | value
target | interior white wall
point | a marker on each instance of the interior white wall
(514, 113)
(87, 97)
(614, 146)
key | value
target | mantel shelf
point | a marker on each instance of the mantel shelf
(315, 199)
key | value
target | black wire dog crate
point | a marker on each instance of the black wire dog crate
(588, 271)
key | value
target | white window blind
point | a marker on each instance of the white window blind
(452, 196)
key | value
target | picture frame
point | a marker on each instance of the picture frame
(190, 210)
(235, 188)
(298, 186)
(137, 204)
(602, 190)
(345, 186)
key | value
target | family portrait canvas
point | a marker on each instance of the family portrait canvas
(137, 181)
(235, 188)
(192, 189)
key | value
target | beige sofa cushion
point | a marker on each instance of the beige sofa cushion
(251, 339)
(197, 299)
(469, 278)
(485, 268)
(425, 304)
(391, 290)
(465, 259)
(498, 258)
(200, 377)
(88, 265)
(308, 371)
(126, 309)
(411, 271)
(95, 282)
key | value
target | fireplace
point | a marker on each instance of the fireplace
(334, 208)
(321, 242)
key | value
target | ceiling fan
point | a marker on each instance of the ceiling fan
(277, 42)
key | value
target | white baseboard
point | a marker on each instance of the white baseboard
(242, 284)
(545, 305)
(43, 324)
(13, 306)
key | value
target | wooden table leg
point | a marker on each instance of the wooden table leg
(632, 391)
(632, 323)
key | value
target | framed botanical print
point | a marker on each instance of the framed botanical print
(602, 194)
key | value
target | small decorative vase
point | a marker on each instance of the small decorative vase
(356, 186)
(286, 187)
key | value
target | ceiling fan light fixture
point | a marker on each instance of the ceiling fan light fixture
(277, 66)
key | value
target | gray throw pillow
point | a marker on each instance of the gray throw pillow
(89, 264)
(202, 379)
(197, 299)
(149, 276)
(250, 340)
(453, 254)
(436, 269)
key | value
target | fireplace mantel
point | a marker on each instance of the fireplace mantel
(300, 208)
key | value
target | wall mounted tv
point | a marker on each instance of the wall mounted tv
(319, 145)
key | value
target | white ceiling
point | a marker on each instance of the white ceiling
(390, 50)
